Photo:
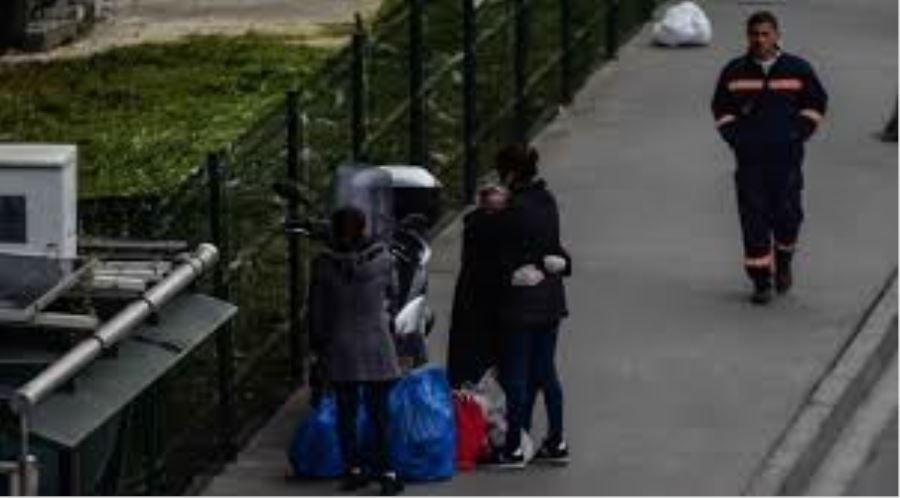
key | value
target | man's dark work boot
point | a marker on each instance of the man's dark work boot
(762, 285)
(784, 277)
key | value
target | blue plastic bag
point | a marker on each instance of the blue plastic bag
(423, 429)
(315, 450)
(422, 432)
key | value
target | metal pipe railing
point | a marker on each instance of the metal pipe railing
(113, 331)
(12, 469)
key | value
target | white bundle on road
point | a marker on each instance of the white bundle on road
(684, 24)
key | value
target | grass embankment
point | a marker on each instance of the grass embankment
(145, 116)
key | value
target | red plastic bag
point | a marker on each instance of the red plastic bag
(471, 431)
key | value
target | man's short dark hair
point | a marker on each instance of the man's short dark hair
(762, 17)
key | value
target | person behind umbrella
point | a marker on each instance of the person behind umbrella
(475, 332)
(352, 290)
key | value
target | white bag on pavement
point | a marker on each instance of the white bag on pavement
(683, 24)
(490, 396)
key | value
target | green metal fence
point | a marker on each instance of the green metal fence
(437, 83)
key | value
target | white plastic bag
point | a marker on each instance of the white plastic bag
(490, 397)
(492, 400)
(683, 24)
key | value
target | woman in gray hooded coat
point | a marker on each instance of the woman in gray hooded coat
(352, 293)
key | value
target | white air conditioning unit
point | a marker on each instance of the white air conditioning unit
(38, 200)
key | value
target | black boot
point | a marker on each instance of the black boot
(391, 485)
(762, 285)
(353, 480)
(784, 276)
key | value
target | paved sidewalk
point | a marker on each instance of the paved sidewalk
(674, 383)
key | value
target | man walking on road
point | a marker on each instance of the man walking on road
(766, 105)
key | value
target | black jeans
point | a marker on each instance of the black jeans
(376, 401)
(528, 367)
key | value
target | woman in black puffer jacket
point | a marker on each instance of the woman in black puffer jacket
(533, 303)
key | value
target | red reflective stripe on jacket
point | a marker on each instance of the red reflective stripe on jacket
(744, 85)
(791, 84)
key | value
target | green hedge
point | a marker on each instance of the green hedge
(146, 115)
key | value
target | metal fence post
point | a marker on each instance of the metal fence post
(305, 252)
(612, 29)
(293, 214)
(417, 152)
(357, 90)
(649, 6)
(520, 69)
(565, 30)
(224, 338)
(470, 102)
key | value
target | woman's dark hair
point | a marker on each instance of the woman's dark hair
(519, 159)
(762, 17)
(348, 227)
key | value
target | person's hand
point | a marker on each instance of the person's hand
(806, 126)
(554, 264)
(527, 276)
(728, 131)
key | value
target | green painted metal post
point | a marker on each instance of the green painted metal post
(305, 252)
(565, 29)
(647, 11)
(418, 154)
(470, 101)
(520, 69)
(225, 337)
(358, 91)
(613, 13)
(294, 285)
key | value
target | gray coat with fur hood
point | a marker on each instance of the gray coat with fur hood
(351, 296)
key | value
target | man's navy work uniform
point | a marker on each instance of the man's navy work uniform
(766, 111)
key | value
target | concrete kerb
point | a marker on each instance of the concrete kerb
(798, 452)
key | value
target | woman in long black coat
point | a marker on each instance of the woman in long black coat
(475, 334)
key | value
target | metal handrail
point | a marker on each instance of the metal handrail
(113, 331)
(121, 326)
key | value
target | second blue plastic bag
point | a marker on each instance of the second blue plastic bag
(423, 430)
